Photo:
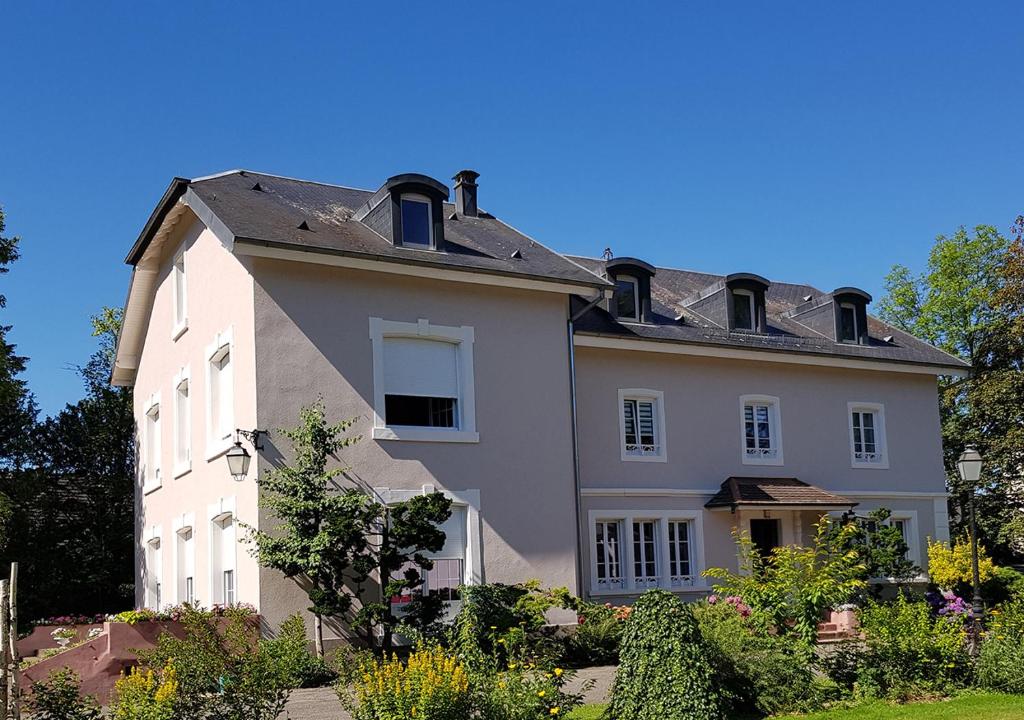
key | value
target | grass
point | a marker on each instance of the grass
(975, 707)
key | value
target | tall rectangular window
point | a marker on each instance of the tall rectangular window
(867, 435)
(229, 587)
(182, 425)
(641, 423)
(744, 316)
(758, 429)
(178, 290)
(626, 299)
(154, 571)
(186, 571)
(222, 559)
(645, 556)
(679, 563)
(607, 554)
(848, 329)
(417, 226)
(221, 397)
(152, 454)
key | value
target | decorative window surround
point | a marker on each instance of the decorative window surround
(772, 455)
(473, 567)
(184, 528)
(151, 445)
(222, 549)
(638, 451)
(629, 583)
(220, 387)
(462, 337)
(865, 458)
(154, 568)
(179, 295)
(911, 533)
(182, 422)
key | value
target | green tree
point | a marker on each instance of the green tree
(968, 302)
(333, 534)
(880, 545)
(72, 529)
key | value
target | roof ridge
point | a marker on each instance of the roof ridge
(280, 177)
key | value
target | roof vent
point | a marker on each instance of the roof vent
(304, 226)
(807, 298)
(517, 255)
(257, 187)
(465, 192)
(607, 254)
(888, 339)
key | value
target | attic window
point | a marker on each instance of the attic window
(743, 310)
(848, 331)
(627, 298)
(417, 225)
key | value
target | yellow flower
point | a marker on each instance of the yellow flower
(540, 693)
(555, 710)
(558, 672)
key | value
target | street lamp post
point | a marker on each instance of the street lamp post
(969, 467)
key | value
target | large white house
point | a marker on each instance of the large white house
(599, 423)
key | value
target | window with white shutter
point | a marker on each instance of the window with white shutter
(154, 571)
(423, 382)
(182, 423)
(641, 425)
(186, 560)
(222, 559)
(179, 293)
(220, 395)
(152, 446)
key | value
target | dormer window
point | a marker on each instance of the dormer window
(627, 298)
(848, 323)
(417, 224)
(744, 312)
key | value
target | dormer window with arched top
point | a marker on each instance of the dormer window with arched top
(631, 301)
(745, 302)
(851, 315)
(417, 226)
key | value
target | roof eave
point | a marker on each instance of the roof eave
(171, 196)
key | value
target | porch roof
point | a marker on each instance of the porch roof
(740, 492)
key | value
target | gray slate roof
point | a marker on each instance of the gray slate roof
(669, 288)
(765, 492)
(272, 216)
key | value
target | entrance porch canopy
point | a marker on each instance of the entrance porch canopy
(754, 493)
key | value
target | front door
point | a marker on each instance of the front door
(766, 535)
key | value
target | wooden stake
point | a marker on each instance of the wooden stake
(5, 628)
(13, 694)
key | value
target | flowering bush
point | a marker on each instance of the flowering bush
(525, 692)
(596, 638)
(72, 620)
(431, 685)
(949, 566)
(177, 613)
(1001, 661)
(734, 601)
(146, 695)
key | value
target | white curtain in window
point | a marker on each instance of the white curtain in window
(416, 366)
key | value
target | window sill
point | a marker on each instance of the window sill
(179, 330)
(639, 591)
(216, 448)
(776, 461)
(424, 434)
(149, 487)
(870, 466)
(645, 458)
(182, 470)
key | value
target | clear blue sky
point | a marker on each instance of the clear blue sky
(816, 141)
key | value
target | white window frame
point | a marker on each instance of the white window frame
(182, 414)
(179, 276)
(416, 197)
(216, 443)
(881, 445)
(661, 518)
(154, 586)
(774, 429)
(152, 447)
(462, 337)
(216, 514)
(635, 317)
(469, 500)
(657, 397)
(182, 525)
(856, 328)
(619, 583)
(753, 308)
(913, 538)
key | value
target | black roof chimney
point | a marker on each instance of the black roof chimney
(465, 192)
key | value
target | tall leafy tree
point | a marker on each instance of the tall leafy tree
(333, 534)
(73, 522)
(968, 303)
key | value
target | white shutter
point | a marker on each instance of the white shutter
(415, 366)
(455, 535)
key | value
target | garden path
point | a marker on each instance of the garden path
(322, 703)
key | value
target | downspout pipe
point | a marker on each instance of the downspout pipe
(577, 490)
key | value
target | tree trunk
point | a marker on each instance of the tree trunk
(13, 692)
(318, 634)
(388, 619)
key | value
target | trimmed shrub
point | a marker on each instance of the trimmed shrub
(1001, 661)
(756, 672)
(1005, 584)
(289, 652)
(59, 697)
(663, 670)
